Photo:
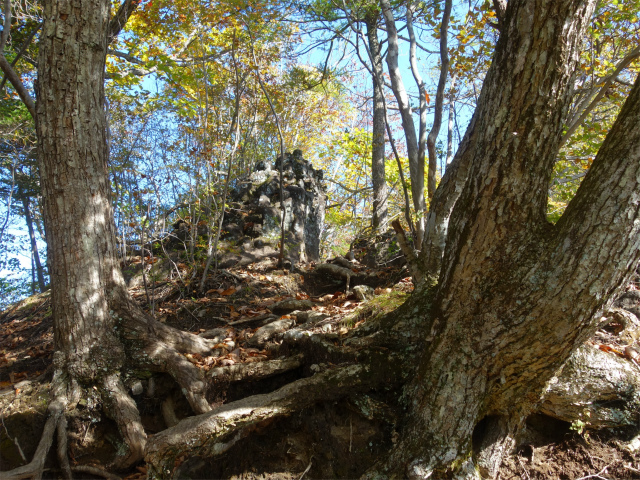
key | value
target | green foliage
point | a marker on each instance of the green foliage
(613, 34)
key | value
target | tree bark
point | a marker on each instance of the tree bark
(517, 295)
(416, 163)
(72, 152)
(422, 101)
(87, 286)
(378, 178)
(97, 326)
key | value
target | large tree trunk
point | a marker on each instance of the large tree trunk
(87, 287)
(98, 328)
(517, 295)
(77, 205)
(378, 178)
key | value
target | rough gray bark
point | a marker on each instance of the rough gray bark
(72, 152)
(78, 217)
(516, 294)
(596, 387)
(97, 326)
(378, 179)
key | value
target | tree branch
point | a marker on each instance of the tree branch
(15, 80)
(437, 116)
(120, 19)
(422, 97)
(23, 49)
(606, 83)
(416, 163)
(6, 67)
(4, 36)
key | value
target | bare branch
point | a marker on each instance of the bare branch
(605, 84)
(4, 36)
(23, 49)
(437, 118)
(422, 100)
(6, 67)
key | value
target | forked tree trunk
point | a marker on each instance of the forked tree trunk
(416, 162)
(517, 295)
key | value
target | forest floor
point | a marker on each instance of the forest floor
(326, 441)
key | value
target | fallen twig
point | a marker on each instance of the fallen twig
(596, 475)
(306, 469)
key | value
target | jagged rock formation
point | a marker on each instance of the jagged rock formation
(252, 226)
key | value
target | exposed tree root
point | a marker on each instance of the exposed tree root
(151, 345)
(169, 413)
(188, 376)
(95, 471)
(121, 408)
(255, 371)
(62, 448)
(495, 443)
(368, 358)
(213, 433)
(141, 328)
(35, 468)
(408, 251)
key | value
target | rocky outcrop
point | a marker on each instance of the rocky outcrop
(253, 223)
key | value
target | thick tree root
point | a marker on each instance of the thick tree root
(255, 371)
(121, 408)
(154, 345)
(189, 377)
(62, 449)
(148, 331)
(35, 468)
(213, 433)
(495, 442)
(95, 471)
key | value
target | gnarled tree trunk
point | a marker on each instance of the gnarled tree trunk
(517, 295)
